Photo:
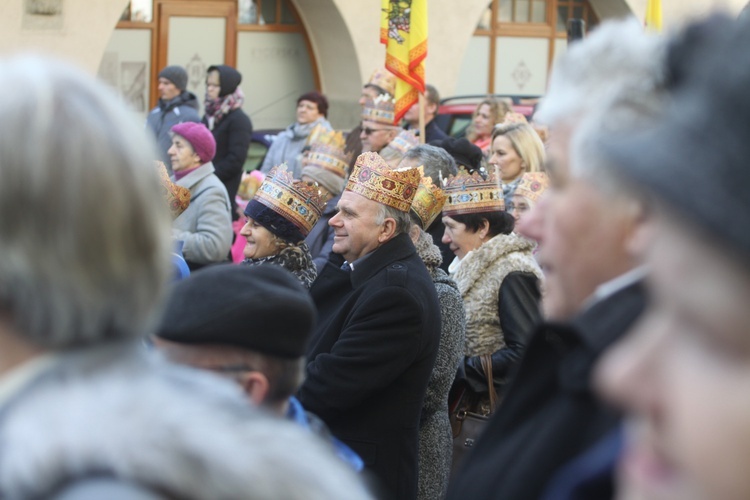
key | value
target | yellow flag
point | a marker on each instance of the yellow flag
(653, 15)
(405, 26)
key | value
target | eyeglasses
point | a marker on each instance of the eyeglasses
(368, 130)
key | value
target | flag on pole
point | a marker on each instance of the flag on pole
(653, 15)
(403, 30)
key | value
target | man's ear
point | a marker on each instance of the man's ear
(255, 385)
(388, 230)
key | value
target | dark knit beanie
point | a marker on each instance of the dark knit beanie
(176, 75)
(263, 309)
(318, 99)
(199, 137)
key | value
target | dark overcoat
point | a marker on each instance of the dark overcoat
(550, 413)
(371, 356)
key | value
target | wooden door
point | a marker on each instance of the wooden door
(196, 35)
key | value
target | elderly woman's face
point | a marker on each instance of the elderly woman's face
(461, 239)
(260, 241)
(307, 112)
(683, 375)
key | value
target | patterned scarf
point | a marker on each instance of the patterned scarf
(218, 108)
(295, 259)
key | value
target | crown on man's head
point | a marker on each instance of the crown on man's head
(404, 141)
(372, 178)
(327, 151)
(429, 200)
(383, 79)
(297, 201)
(473, 193)
(382, 109)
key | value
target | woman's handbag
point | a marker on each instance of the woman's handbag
(470, 416)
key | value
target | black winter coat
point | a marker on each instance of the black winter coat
(371, 356)
(550, 413)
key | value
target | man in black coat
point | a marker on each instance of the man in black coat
(593, 289)
(374, 347)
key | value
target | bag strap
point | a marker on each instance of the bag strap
(486, 361)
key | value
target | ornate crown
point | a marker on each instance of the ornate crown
(297, 201)
(404, 141)
(384, 79)
(428, 202)
(327, 151)
(532, 185)
(472, 193)
(372, 178)
(380, 110)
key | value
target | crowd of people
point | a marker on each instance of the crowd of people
(579, 294)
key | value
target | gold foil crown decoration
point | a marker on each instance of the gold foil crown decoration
(472, 193)
(384, 79)
(372, 178)
(532, 185)
(428, 202)
(404, 141)
(297, 201)
(380, 110)
(178, 197)
(327, 151)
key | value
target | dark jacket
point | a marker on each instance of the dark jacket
(167, 114)
(233, 134)
(437, 230)
(550, 413)
(320, 239)
(431, 131)
(371, 356)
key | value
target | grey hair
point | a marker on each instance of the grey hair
(85, 230)
(618, 56)
(437, 162)
(403, 220)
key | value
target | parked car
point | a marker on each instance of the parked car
(454, 113)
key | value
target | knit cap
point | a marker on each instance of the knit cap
(176, 75)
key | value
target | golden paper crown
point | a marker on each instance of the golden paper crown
(327, 151)
(472, 193)
(297, 201)
(178, 197)
(404, 141)
(380, 110)
(384, 79)
(429, 200)
(532, 185)
(372, 178)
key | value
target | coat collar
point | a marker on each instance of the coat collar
(196, 175)
(398, 248)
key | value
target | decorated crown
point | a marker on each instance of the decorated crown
(472, 193)
(298, 202)
(178, 197)
(327, 151)
(404, 141)
(372, 178)
(532, 185)
(384, 79)
(380, 110)
(428, 202)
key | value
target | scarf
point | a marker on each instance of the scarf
(295, 259)
(218, 108)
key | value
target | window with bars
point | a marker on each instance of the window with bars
(534, 12)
